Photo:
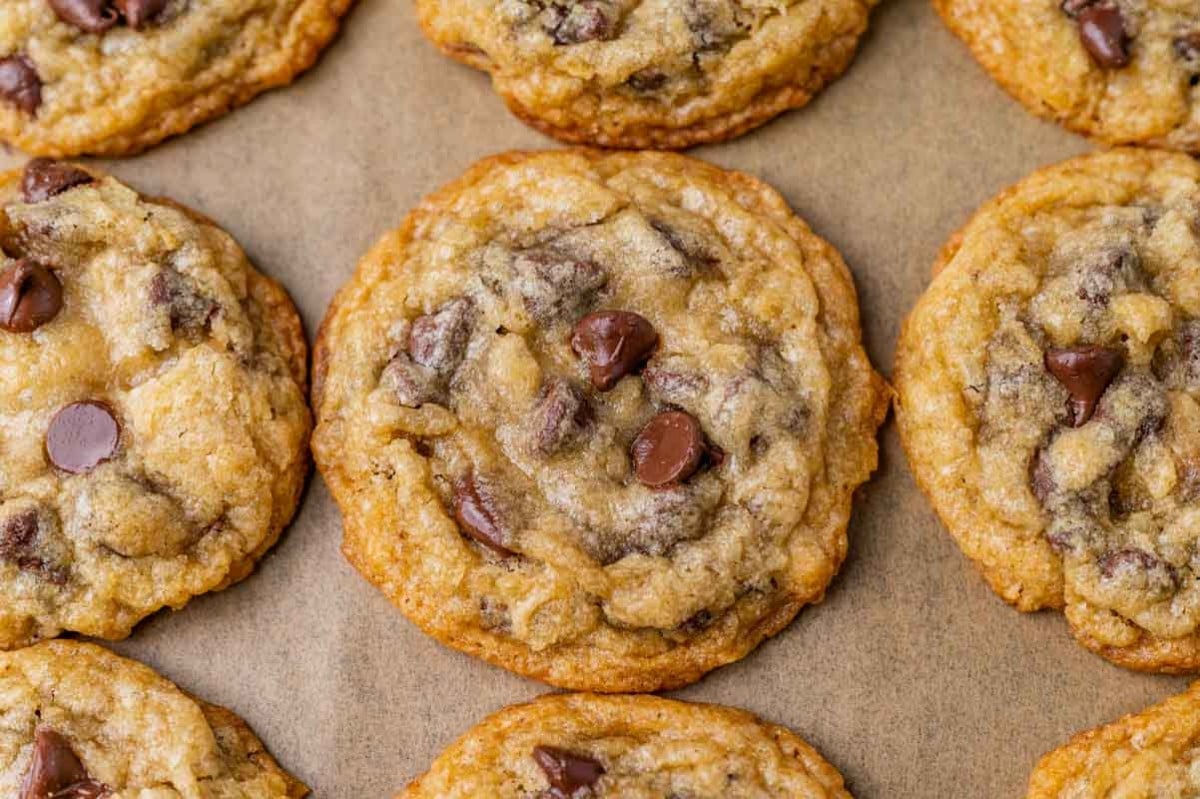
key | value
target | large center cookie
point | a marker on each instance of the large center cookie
(650, 73)
(112, 77)
(1124, 71)
(1049, 387)
(79, 722)
(152, 413)
(633, 747)
(598, 418)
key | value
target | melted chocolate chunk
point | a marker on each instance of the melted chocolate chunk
(439, 340)
(45, 178)
(670, 449)
(478, 515)
(614, 343)
(560, 417)
(1103, 33)
(191, 313)
(581, 21)
(555, 284)
(19, 544)
(30, 296)
(571, 775)
(1086, 373)
(55, 772)
(90, 16)
(674, 386)
(19, 83)
(411, 384)
(82, 436)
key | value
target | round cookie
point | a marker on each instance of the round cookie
(1122, 71)
(597, 418)
(1153, 753)
(633, 747)
(82, 723)
(113, 77)
(650, 73)
(1049, 399)
(153, 422)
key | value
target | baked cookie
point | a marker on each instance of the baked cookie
(113, 77)
(152, 406)
(79, 722)
(1123, 71)
(1049, 399)
(571, 746)
(597, 418)
(650, 73)
(1155, 753)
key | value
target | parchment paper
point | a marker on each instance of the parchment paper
(912, 677)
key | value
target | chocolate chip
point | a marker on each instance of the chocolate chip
(81, 436)
(647, 80)
(411, 384)
(139, 13)
(19, 544)
(582, 21)
(45, 178)
(1072, 7)
(555, 283)
(560, 416)
(614, 343)
(669, 449)
(55, 771)
(439, 340)
(1085, 372)
(1102, 31)
(570, 775)
(30, 296)
(90, 16)
(1187, 46)
(190, 312)
(1137, 563)
(478, 515)
(19, 83)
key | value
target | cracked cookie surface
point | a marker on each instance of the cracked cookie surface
(1122, 71)
(80, 722)
(1152, 753)
(650, 73)
(153, 421)
(113, 77)
(634, 747)
(597, 418)
(1049, 399)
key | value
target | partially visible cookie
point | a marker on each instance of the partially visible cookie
(1049, 399)
(153, 423)
(113, 77)
(598, 417)
(1122, 71)
(650, 73)
(570, 746)
(79, 722)
(1154, 753)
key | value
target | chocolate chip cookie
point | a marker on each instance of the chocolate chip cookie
(1152, 754)
(597, 418)
(635, 747)
(82, 723)
(113, 77)
(650, 73)
(1122, 71)
(1049, 400)
(153, 422)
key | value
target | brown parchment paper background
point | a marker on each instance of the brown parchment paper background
(912, 678)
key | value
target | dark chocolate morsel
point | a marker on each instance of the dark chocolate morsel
(570, 775)
(55, 771)
(82, 435)
(30, 296)
(90, 16)
(1102, 31)
(19, 82)
(45, 178)
(614, 343)
(669, 449)
(476, 512)
(139, 13)
(1085, 372)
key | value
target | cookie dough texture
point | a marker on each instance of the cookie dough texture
(124, 90)
(648, 747)
(1033, 48)
(132, 730)
(650, 73)
(1153, 753)
(607, 584)
(1098, 516)
(200, 360)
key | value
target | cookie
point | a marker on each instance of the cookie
(82, 723)
(1152, 753)
(650, 73)
(1122, 71)
(1049, 399)
(634, 747)
(153, 422)
(597, 418)
(113, 77)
